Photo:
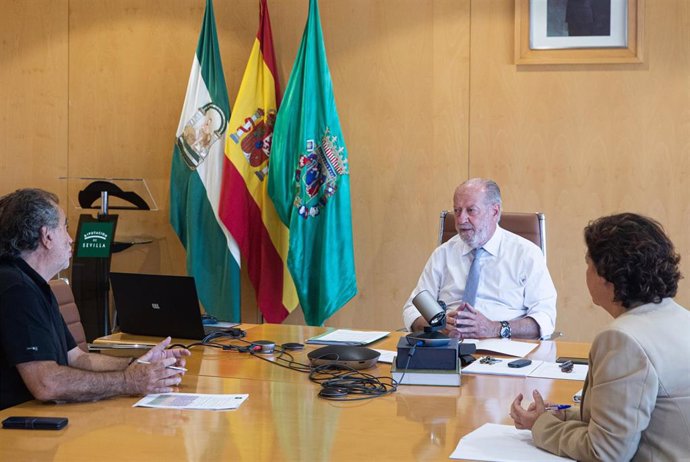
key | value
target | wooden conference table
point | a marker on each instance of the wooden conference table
(283, 419)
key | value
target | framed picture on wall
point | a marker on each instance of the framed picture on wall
(578, 31)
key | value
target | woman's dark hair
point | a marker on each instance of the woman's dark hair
(22, 215)
(633, 253)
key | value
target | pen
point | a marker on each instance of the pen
(175, 368)
(557, 407)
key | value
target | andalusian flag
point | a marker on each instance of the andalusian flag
(245, 208)
(195, 180)
(310, 184)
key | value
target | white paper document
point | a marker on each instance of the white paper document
(501, 443)
(387, 356)
(214, 402)
(500, 368)
(538, 369)
(550, 370)
(347, 337)
(504, 346)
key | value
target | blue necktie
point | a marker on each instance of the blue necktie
(473, 277)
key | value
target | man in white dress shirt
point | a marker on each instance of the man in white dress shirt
(515, 296)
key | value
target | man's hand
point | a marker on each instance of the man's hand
(159, 352)
(466, 322)
(154, 377)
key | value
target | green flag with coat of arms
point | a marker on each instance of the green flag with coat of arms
(309, 182)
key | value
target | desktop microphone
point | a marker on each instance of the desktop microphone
(435, 315)
(430, 309)
(428, 349)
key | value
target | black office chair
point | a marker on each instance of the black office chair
(531, 226)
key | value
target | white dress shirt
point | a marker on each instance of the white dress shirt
(514, 280)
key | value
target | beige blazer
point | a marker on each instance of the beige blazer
(636, 398)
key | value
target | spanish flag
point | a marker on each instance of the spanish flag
(245, 207)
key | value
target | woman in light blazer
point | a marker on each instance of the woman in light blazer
(636, 397)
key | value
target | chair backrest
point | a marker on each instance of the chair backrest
(531, 226)
(69, 310)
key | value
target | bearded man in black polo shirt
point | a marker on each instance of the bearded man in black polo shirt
(38, 356)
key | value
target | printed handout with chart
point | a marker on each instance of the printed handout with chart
(210, 402)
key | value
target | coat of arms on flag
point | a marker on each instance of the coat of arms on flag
(254, 137)
(317, 175)
(309, 182)
(201, 131)
(245, 207)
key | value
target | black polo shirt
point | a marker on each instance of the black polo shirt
(31, 328)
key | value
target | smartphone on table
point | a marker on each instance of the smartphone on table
(35, 423)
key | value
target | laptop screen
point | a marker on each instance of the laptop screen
(157, 305)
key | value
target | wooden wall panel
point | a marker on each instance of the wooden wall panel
(133, 61)
(33, 95)
(404, 117)
(579, 142)
(129, 63)
(427, 93)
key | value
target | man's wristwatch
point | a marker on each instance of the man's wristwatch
(505, 329)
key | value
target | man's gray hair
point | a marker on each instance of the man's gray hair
(491, 190)
(22, 215)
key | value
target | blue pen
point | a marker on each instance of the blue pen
(557, 407)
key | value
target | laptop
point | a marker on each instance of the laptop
(160, 305)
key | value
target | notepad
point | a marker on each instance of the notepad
(501, 443)
(347, 337)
